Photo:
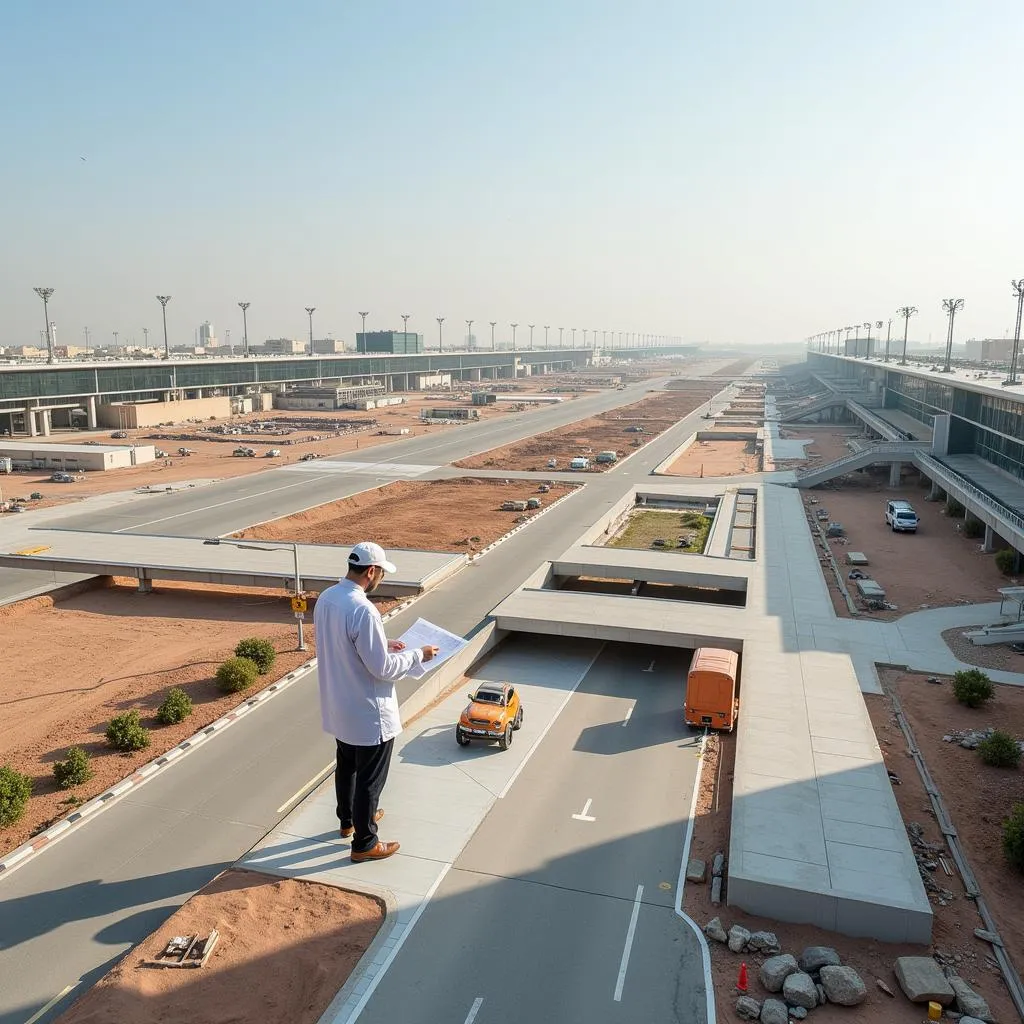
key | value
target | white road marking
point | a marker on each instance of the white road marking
(629, 714)
(650, 668)
(474, 1010)
(585, 816)
(630, 932)
(206, 508)
(307, 787)
(49, 1006)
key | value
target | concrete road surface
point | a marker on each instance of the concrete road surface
(561, 907)
(67, 913)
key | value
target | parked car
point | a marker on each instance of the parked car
(308, 457)
(274, 453)
(62, 478)
(90, 442)
(494, 712)
(119, 434)
(580, 462)
(901, 517)
(244, 453)
(185, 451)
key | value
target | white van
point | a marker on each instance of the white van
(900, 515)
(579, 462)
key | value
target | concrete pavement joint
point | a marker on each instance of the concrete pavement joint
(22, 854)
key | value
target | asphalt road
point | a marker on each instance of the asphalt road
(69, 912)
(533, 918)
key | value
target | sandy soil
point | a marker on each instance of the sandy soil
(935, 567)
(213, 459)
(977, 798)
(118, 650)
(398, 515)
(607, 431)
(286, 947)
(716, 458)
(873, 960)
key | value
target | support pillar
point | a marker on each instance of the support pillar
(989, 543)
(145, 585)
(895, 472)
(47, 423)
(934, 492)
(30, 422)
(90, 412)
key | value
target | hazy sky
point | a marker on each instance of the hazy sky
(730, 171)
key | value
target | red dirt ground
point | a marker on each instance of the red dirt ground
(285, 949)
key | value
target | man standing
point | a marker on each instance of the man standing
(357, 667)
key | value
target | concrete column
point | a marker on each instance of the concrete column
(90, 412)
(145, 586)
(935, 492)
(44, 415)
(895, 472)
(989, 543)
(30, 422)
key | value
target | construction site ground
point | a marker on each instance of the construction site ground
(935, 567)
(459, 515)
(607, 431)
(212, 459)
(977, 798)
(717, 458)
(873, 960)
(285, 948)
(110, 649)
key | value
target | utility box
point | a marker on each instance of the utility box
(484, 398)
(6, 465)
(870, 590)
(606, 457)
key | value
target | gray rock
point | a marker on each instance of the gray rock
(799, 990)
(773, 1011)
(748, 1008)
(716, 890)
(922, 980)
(813, 958)
(822, 998)
(763, 942)
(718, 865)
(968, 1001)
(738, 936)
(797, 1012)
(971, 1020)
(714, 930)
(843, 985)
(776, 969)
(696, 870)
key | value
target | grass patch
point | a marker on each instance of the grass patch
(644, 528)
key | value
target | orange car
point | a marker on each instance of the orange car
(494, 713)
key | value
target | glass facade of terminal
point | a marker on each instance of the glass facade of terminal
(985, 425)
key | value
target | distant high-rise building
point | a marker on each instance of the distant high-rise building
(327, 346)
(990, 350)
(395, 342)
(207, 338)
(284, 347)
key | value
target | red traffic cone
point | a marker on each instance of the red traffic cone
(741, 981)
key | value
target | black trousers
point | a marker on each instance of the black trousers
(359, 779)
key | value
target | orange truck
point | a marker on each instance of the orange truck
(711, 700)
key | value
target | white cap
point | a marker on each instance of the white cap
(367, 553)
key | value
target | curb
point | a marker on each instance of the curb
(21, 854)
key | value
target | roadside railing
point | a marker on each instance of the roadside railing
(938, 469)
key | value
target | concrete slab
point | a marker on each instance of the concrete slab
(255, 564)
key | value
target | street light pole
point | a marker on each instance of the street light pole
(310, 310)
(888, 335)
(44, 294)
(440, 339)
(560, 330)
(514, 326)
(245, 329)
(906, 312)
(145, 337)
(115, 344)
(492, 323)
(85, 330)
(531, 326)
(364, 316)
(547, 327)
(163, 300)
(405, 329)
(1018, 290)
(469, 336)
(951, 308)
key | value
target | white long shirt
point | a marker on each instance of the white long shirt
(357, 673)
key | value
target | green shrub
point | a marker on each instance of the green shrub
(73, 770)
(258, 650)
(954, 508)
(175, 707)
(972, 687)
(15, 789)
(973, 528)
(127, 733)
(1000, 750)
(1005, 561)
(237, 674)
(1013, 837)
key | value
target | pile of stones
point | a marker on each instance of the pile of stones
(968, 738)
(927, 856)
(925, 980)
(797, 986)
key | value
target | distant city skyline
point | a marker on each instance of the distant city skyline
(725, 173)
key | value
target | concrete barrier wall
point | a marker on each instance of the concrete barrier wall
(132, 415)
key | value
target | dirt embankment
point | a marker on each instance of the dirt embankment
(109, 650)
(620, 430)
(285, 949)
(460, 515)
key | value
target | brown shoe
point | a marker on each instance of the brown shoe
(348, 833)
(379, 852)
